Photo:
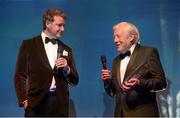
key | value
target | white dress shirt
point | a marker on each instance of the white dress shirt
(124, 62)
(51, 52)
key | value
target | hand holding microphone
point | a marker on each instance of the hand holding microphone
(105, 73)
(61, 61)
(61, 64)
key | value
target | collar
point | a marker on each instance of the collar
(132, 48)
(43, 35)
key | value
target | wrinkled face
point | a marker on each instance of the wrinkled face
(121, 40)
(55, 28)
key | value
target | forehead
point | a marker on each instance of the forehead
(119, 31)
(59, 19)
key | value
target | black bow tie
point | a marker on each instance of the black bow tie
(123, 55)
(53, 41)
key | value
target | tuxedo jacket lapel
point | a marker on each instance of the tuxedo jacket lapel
(42, 52)
(117, 74)
(132, 62)
(118, 71)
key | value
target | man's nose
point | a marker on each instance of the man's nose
(115, 39)
(62, 28)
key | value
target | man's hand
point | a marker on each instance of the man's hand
(25, 104)
(105, 74)
(131, 83)
(61, 62)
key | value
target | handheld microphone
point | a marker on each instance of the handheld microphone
(104, 61)
(59, 54)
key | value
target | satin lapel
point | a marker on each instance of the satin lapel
(42, 52)
(60, 46)
(118, 74)
(118, 71)
(132, 62)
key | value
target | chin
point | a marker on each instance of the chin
(119, 49)
(58, 37)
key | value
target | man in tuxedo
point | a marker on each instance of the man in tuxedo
(45, 66)
(136, 76)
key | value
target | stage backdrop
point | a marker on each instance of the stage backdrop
(89, 32)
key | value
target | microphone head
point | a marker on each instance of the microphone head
(103, 61)
(59, 50)
(59, 53)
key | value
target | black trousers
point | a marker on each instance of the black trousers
(47, 108)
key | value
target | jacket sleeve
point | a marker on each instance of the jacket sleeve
(72, 77)
(109, 84)
(20, 75)
(155, 79)
(109, 87)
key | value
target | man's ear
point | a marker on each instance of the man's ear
(48, 23)
(131, 38)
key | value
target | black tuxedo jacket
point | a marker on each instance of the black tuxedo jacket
(33, 74)
(141, 101)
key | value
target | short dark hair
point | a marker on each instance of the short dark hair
(49, 15)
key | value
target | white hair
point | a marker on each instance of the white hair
(130, 28)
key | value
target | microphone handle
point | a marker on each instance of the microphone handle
(59, 54)
(104, 66)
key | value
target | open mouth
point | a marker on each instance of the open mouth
(118, 45)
